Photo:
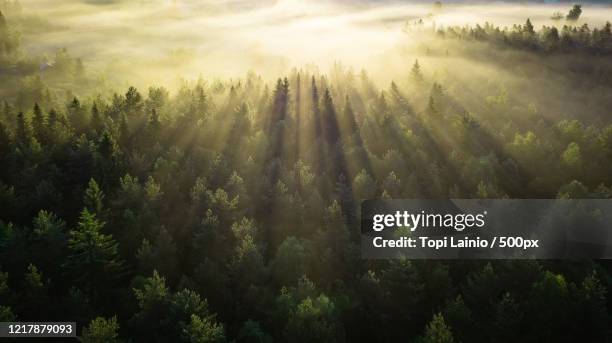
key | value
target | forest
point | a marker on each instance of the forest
(227, 209)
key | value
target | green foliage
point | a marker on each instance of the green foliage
(528, 28)
(181, 314)
(459, 316)
(228, 210)
(6, 314)
(203, 330)
(574, 13)
(364, 186)
(93, 198)
(592, 301)
(248, 263)
(153, 292)
(34, 282)
(548, 39)
(573, 190)
(50, 238)
(101, 330)
(314, 320)
(93, 258)
(184, 305)
(251, 332)
(571, 156)
(415, 72)
(291, 261)
(437, 331)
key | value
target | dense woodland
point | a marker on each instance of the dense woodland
(597, 41)
(227, 210)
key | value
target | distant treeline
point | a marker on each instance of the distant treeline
(548, 39)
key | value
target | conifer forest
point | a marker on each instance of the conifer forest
(192, 171)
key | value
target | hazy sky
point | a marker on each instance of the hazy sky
(229, 37)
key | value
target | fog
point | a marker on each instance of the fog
(159, 41)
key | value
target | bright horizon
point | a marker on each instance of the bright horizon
(216, 39)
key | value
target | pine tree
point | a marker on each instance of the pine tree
(3, 26)
(348, 117)
(93, 259)
(437, 331)
(251, 331)
(23, 129)
(153, 298)
(34, 292)
(101, 330)
(107, 147)
(97, 122)
(53, 119)
(204, 330)
(76, 116)
(124, 130)
(415, 73)
(154, 128)
(432, 109)
(364, 186)
(528, 28)
(49, 241)
(314, 94)
(133, 102)
(314, 319)
(39, 123)
(6, 111)
(153, 292)
(6, 313)
(154, 122)
(330, 121)
(5, 140)
(25, 134)
(298, 117)
(281, 100)
(392, 185)
(574, 13)
(93, 199)
(165, 253)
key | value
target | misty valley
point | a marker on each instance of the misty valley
(193, 171)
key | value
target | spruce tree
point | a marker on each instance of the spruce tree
(39, 123)
(93, 199)
(437, 331)
(415, 73)
(93, 260)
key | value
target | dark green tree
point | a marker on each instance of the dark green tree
(574, 13)
(94, 199)
(93, 260)
(101, 330)
(437, 331)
